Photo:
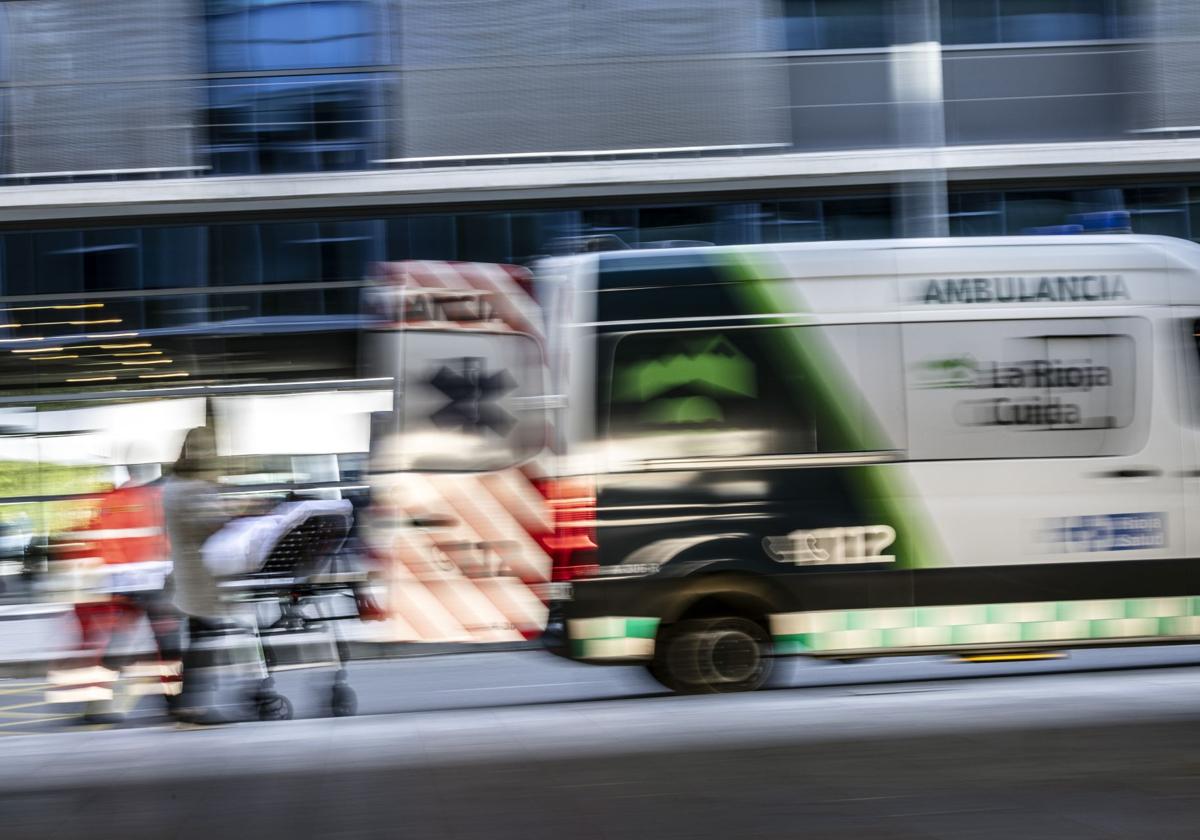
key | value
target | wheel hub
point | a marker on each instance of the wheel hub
(731, 656)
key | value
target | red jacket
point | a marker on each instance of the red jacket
(127, 527)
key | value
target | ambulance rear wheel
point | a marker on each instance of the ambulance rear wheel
(713, 656)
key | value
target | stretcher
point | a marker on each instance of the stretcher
(289, 574)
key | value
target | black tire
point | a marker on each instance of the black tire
(274, 707)
(713, 656)
(344, 702)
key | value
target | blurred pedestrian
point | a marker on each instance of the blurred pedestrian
(125, 549)
(194, 510)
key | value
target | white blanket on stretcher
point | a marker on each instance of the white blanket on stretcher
(243, 545)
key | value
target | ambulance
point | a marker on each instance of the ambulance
(971, 446)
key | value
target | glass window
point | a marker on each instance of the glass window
(54, 262)
(858, 218)
(738, 224)
(234, 257)
(484, 237)
(181, 310)
(755, 391)
(291, 34)
(293, 252)
(1054, 20)
(1194, 213)
(1025, 210)
(854, 24)
(534, 234)
(109, 259)
(637, 285)
(1015, 21)
(57, 262)
(970, 21)
(422, 238)
(695, 223)
(174, 257)
(620, 222)
(290, 254)
(1158, 210)
(799, 25)
(1026, 389)
(976, 214)
(293, 122)
(792, 221)
(836, 24)
(20, 264)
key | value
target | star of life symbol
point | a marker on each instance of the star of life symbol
(473, 393)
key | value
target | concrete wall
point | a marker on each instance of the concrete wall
(97, 86)
(843, 100)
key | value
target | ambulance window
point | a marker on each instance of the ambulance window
(744, 392)
(1027, 389)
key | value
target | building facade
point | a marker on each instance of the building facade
(254, 156)
(168, 164)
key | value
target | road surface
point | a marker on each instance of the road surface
(519, 746)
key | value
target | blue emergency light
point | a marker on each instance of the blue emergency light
(1104, 221)
(1053, 230)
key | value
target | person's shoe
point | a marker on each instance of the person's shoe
(101, 718)
(102, 712)
(187, 716)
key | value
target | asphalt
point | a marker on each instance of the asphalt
(1041, 755)
(457, 743)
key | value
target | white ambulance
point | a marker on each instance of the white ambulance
(852, 449)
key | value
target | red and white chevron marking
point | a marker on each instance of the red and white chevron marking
(461, 553)
(401, 287)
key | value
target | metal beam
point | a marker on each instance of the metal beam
(476, 186)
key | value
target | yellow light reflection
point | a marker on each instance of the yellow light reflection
(68, 323)
(59, 306)
(161, 375)
(50, 358)
(150, 362)
(41, 350)
(93, 379)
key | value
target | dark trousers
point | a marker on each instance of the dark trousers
(219, 647)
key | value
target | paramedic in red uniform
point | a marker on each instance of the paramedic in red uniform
(126, 534)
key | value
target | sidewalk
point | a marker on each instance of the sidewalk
(35, 638)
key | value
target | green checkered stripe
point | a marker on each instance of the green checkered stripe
(985, 624)
(612, 637)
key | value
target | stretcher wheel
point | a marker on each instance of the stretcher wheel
(274, 707)
(344, 702)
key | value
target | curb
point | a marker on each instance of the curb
(358, 652)
(365, 651)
